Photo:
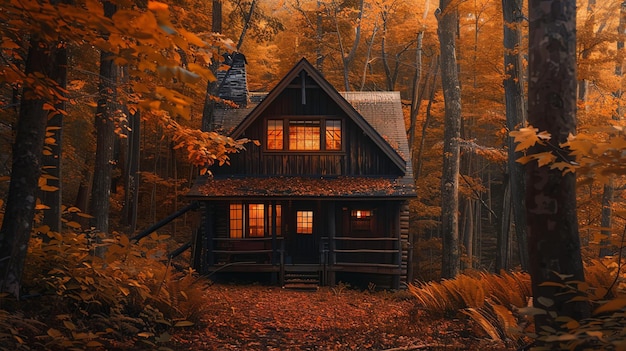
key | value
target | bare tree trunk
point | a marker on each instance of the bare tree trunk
(515, 118)
(416, 95)
(347, 58)
(447, 16)
(105, 134)
(26, 169)
(553, 237)
(52, 155)
(609, 188)
(208, 111)
(427, 119)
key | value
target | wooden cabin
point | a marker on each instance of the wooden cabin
(322, 199)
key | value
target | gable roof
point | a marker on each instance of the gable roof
(304, 66)
(379, 114)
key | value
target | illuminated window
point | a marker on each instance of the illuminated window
(236, 220)
(279, 220)
(333, 135)
(362, 219)
(304, 135)
(304, 222)
(256, 220)
(252, 220)
(275, 134)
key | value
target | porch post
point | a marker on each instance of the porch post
(332, 227)
(273, 233)
(207, 239)
(396, 277)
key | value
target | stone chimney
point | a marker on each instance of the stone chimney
(233, 82)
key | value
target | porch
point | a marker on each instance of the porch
(335, 256)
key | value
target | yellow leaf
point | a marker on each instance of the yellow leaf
(73, 224)
(41, 207)
(54, 333)
(157, 6)
(611, 305)
(184, 324)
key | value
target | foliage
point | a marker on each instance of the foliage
(501, 303)
(130, 296)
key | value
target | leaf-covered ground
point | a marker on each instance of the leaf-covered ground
(271, 318)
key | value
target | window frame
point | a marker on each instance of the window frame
(319, 121)
(249, 224)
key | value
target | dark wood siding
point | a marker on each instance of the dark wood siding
(365, 156)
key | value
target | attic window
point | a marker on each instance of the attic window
(275, 134)
(304, 135)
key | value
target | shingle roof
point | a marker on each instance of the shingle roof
(380, 112)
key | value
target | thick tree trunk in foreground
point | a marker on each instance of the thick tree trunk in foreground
(25, 172)
(448, 18)
(515, 118)
(553, 238)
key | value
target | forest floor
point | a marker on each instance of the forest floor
(255, 317)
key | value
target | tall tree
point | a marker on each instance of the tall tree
(208, 110)
(51, 195)
(36, 105)
(553, 237)
(447, 16)
(105, 135)
(512, 11)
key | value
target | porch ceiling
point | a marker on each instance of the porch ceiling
(302, 187)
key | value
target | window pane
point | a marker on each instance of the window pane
(304, 135)
(256, 220)
(279, 220)
(304, 222)
(275, 134)
(333, 135)
(236, 220)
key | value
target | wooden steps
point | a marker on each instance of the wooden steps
(307, 281)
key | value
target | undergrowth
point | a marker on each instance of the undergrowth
(128, 298)
(501, 304)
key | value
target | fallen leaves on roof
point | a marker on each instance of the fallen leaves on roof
(303, 187)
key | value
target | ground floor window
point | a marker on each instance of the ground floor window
(251, 220)
(304, 222)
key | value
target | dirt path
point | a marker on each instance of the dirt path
(271, 318)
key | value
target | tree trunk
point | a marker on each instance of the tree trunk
(447, 16)
(553, 237)
(515, 118)
(208, 119)
(51, 159)
(105, 134)
(433, 88)
(609, 188)
(26, 169)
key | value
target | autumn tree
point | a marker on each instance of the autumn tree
(515, 105)
(105, 133)
(553, 238)
(447, 16)
(144, 39)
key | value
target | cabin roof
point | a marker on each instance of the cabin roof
(379, 114)
(302, 187)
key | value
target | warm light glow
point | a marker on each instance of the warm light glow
(333, 135)
(304, 135)
(256, 220)
(275, 134)
(304, 222)
(236, 220)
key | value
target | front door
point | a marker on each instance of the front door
(303, 242)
